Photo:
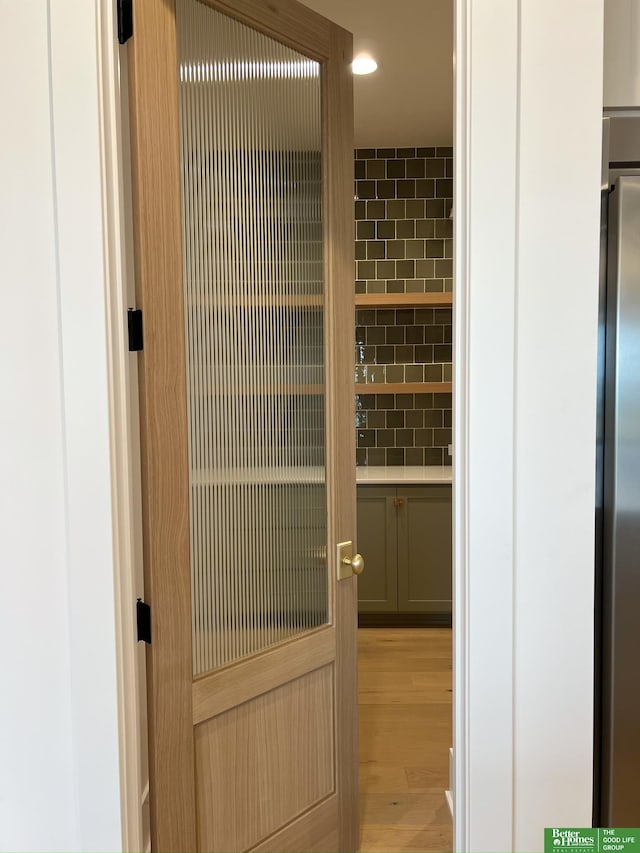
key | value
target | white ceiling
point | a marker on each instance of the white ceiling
(408, 101)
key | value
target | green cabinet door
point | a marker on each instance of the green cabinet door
(424, 548)
(377, 542)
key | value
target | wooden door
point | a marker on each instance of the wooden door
(242, 162)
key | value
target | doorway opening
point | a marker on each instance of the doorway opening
(403, 285)
(403, 366)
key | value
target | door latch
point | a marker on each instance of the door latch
(348, 563)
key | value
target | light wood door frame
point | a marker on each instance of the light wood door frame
(174, 702)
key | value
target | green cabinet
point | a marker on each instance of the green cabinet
(377, 541)
(404, 534)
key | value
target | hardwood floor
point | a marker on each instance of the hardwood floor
(404, 687)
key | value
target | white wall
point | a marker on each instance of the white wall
(37, 789)
(621, 53)
(527, 206)
(59, 774)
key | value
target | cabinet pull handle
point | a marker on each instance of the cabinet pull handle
(398, 503)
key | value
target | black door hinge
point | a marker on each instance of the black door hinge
(143, 619)
(134, 324)
(125, 20)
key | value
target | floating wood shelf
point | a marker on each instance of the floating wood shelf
(404, 388)
(403, 300)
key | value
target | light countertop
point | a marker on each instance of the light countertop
(402, 474)
(371, 474)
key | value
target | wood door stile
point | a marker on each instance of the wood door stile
(340, 249)
(155, 162)
(261, 753)
(225, 688)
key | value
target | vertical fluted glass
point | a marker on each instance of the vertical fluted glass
(251, 149)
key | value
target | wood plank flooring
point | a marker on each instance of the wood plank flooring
(404, 687)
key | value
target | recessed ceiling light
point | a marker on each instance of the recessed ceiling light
(364, 65)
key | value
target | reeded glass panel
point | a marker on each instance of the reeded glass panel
(250, 112)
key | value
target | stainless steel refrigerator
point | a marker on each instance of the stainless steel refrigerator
(617, 731)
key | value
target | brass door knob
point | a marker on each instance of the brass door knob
(356, 562)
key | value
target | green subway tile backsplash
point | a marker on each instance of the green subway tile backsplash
(388, 426)
(403, 245)
(403, 345)
(403, 201)
(403, 337)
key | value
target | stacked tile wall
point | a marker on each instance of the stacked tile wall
(403, 429)
(403, 245)
(403, 231)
